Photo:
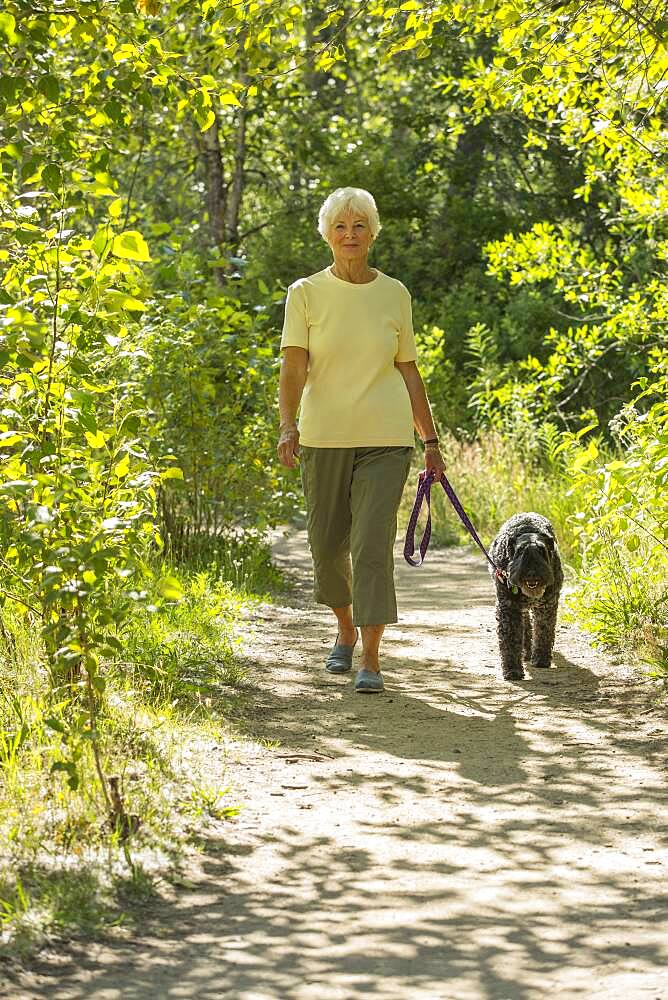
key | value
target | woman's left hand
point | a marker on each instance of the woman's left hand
(433, 462)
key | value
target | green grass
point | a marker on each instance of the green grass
(621, 599)
(242, 559)
(185, 654)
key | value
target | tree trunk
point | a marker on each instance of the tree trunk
(216, 190)
(224, 199)
(236, 188)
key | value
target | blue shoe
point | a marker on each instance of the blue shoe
(369, 682)
(340, 659)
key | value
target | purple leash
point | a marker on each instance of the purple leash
(425, 482)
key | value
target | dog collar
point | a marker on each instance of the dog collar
(502, 575)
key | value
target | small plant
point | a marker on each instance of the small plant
(14, 904)
(207, 800)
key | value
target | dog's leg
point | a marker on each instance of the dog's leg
(544, 627)
(527, 632)
(509, 630)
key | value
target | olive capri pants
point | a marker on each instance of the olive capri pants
(352, 497)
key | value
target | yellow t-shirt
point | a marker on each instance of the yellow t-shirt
(354, 397)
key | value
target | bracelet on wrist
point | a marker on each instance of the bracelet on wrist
(431, 442)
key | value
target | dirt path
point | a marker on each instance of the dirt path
(458, 838)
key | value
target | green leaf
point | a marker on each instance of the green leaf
(7, 26)
(97, 440)
(115, 644)
(71, 771)
(585, 457)
(661, 27)
(120, 300)
(52, 177)
(170, 588)
(122, 468)
(55, 724)
(9, 87)
(131, 245)
(585, 430)
(50, 87)
(207, 120)
(530, 74)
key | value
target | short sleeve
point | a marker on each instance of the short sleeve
(406, 350)
(295, 325)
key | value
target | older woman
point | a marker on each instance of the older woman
(349, 359)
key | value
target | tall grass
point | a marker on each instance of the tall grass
(622, 599)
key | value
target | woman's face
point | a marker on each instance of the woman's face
(349, 236)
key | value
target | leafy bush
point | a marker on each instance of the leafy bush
(622, 525)
(77, 485)
(209, 375)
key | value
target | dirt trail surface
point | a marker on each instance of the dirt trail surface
(457, 837)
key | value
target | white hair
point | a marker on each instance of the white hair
(348, 199)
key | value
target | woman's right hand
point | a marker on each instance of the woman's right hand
(288, 446)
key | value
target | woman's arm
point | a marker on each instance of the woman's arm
(294, 366)
(422, 416)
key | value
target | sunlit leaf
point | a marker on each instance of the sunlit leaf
(131, 245)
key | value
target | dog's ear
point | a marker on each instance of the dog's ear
(510, 547)
(549, 542)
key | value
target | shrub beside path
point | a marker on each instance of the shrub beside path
(457, 837)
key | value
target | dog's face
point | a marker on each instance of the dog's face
(530, 560)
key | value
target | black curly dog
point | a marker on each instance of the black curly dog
(527, 597)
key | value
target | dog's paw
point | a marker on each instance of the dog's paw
(516, 674)
(541, 662)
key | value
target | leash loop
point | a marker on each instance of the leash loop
(422, 494)
(425, 482)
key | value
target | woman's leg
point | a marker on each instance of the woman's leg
(347, 631)
(371, 636)
(326, 475)
(379, 477)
